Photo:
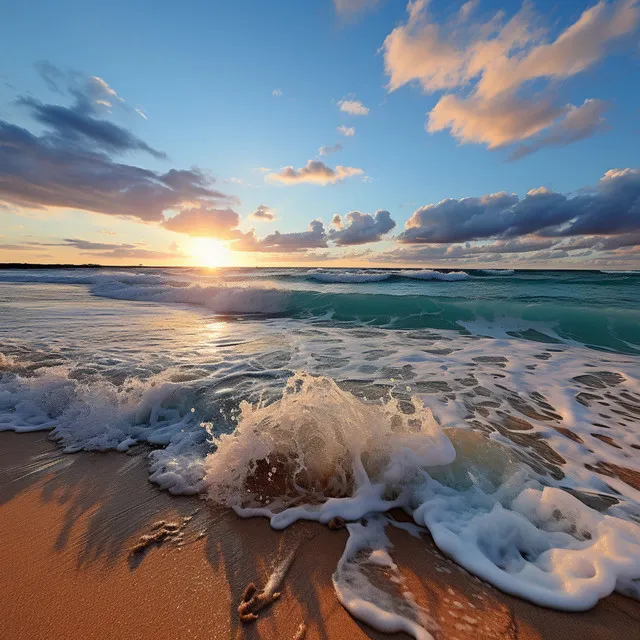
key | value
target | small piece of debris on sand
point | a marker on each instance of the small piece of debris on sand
(252, 602)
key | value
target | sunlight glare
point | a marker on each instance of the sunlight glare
(207, 252)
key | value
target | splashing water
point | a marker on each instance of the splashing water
(320, 453)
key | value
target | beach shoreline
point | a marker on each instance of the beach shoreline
(71, 521)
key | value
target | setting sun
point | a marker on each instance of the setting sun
(207, 252)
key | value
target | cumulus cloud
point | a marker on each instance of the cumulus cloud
(496, 63)
(353, 107)
(346, 131)
(360, 228)
(329, 149)
(213, 223)
(315, 237)
(276, 92)
(315, 172)
(612, 207)
(263, 214)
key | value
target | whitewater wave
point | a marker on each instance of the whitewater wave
(373, 276)
(319, 453)
(429, 274)
(348, 277)
(615, 329)
(620, 272)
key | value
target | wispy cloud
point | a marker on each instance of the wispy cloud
(487, 71)
(346, 131)
(329, 149)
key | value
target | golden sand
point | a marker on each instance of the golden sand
(90, 549)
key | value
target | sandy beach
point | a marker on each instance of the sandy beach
(70, 523)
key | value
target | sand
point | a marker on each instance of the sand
(69, 525)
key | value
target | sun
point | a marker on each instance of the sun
(207, 252)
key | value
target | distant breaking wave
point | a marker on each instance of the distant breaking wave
(620, 272)
(541, 319)
(368, 276)
(347, 277)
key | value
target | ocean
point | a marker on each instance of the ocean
(500, 409)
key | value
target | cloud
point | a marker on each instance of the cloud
(70, 164)
(136, 254)
(349, 7)
(353, 107)
(276, 92)
(346, 131)
(360, 228)
(496, 123)
(329, 149)
(213, 223)
(612, 207)
(505, 69)
(105, 250)
(315, 237)
(315, 172)
(18, 247)
(73, 124)
(578, 123)
(91, 94)
(263, 214)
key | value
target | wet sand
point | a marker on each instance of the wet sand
(69, 523)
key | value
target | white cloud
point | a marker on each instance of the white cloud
(329, 149)
(346, 131)
(353, 107)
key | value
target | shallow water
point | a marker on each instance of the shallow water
(491, 406)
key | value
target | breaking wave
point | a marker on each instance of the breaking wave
(319, 453)
(541, 319)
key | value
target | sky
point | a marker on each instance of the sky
(328, 133)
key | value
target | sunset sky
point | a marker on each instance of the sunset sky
(344, 132)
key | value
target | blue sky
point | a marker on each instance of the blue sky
(205, 77)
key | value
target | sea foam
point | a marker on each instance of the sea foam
(320, 453)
